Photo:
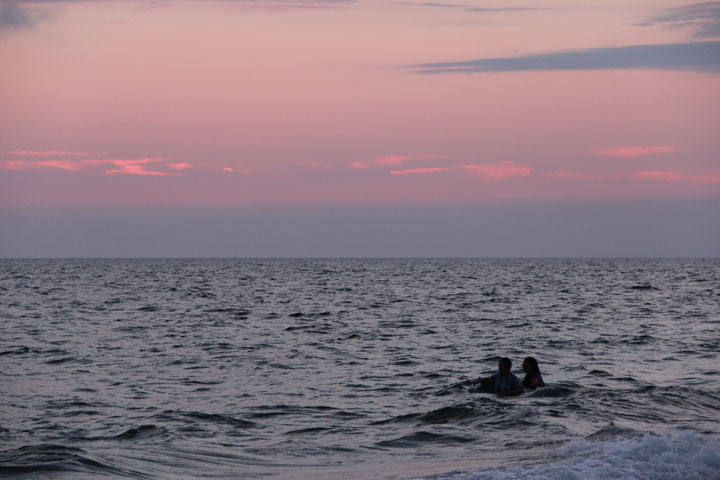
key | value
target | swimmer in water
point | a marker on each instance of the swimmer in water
(533, 378)
(503, 382)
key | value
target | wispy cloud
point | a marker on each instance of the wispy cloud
(180, 166)
(137, 170)
(359, 165)
(136, 166)
(468, 8)
(22, 14)
(24, 165)
(569, 175)
(61, 164)
(393, 160)
(44, 153)
(489, 171)
(281, 5)
(672, 176)
(236, 170)
(18, 14)
(433, 5)
(18, 165)
(508, 9)
(125, 166)
(411, 171)
(497, 171)
(692, 56)
(633, 151)
(400, 159)
(14, 17)
(702, 18)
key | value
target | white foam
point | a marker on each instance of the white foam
(683, 456)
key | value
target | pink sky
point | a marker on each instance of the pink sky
(263, 102)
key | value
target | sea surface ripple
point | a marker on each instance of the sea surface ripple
(292, 368)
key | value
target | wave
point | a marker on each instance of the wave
(555, 391)
(16, 351)
(212, 418)
(416, 439)
(46, 459)
(682, 456)
(442, 415)
(141, 432)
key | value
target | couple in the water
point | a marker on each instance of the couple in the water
(505, 383)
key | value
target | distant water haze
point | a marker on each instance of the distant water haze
(613, 229)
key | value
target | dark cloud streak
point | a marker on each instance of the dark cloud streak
(704, 18)
(468, 8)
(14, 17)
(693, 56)
(509, 9)
(19, 14)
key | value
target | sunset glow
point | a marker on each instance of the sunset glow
(357, 102)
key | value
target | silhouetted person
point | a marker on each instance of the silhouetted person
(533, 378)
(503, 382)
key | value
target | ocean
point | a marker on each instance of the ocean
(354, 368)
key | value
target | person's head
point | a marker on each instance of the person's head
(530, 365)
(504, 365)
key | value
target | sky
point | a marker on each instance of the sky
(359, 128)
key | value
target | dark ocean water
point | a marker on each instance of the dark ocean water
(342, 369)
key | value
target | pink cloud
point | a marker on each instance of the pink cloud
(670, 176)
(392, 159)
(29, 165)
(128, 166)
(137, 170)
(235, 170)
(395, 160)
(569, 175)
(419, 170)
(498, 171)
(45, 153)
(135, 161)
(134, 166)
(91, 162)
(18, 165)
(400, 159)
(359, 165)
(180, 166)
(633, 151)
(61, 164)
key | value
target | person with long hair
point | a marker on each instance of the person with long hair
(533, 378)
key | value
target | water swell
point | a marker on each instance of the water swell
(456, 413)
(421, 438)
(48, 458)
(143, 432)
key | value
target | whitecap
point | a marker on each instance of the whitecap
(682, 456)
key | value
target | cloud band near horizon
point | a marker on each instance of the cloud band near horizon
(691, 56)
